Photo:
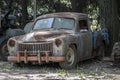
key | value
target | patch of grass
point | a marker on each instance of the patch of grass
(62, 71)
(82, 72)
(6, 67)
(46, 69)
(81, 75)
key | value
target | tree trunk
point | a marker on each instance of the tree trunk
(78, 5)
(109, 19)
(24, 11)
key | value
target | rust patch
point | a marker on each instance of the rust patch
(58, 42)
(41, 37)
(35, 58)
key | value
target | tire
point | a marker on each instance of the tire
(70, 59)
(4, 51)
(116, 54)
(101, 52)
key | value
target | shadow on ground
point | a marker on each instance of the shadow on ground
(89, 69)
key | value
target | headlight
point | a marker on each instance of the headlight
(11, 43)
(58, 42)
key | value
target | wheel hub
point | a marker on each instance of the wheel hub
(70, 56)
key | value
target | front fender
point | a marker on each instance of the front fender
(3, 38)
(69, 40)
(66, 42)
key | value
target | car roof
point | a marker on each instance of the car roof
(74, 15)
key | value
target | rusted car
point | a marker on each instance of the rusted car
(64, 37)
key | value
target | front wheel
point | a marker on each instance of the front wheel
(70, 59)
(4, 51)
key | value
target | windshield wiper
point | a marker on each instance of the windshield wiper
(45, 28)
(42, 29)
(63, 28)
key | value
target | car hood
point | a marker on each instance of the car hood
(37, 36)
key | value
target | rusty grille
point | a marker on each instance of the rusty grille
(35, 47)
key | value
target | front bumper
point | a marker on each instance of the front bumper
(35, 58)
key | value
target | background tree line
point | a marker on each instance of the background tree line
(105, 12)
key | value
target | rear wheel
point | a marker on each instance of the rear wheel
(70, 58)
(101, 52)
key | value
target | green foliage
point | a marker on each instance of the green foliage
(2, 4)
(66, 2)
(49, 6)
(92, 10)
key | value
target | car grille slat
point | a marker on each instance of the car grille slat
(35, 47)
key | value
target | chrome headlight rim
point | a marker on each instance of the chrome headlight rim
(11, 43)
(58, 42)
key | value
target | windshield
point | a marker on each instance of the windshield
(55, 23)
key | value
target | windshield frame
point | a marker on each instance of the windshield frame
(53, 23)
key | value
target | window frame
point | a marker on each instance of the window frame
(84, 24)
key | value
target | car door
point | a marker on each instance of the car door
(85, 37)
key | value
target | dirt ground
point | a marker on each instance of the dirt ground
(92, 69)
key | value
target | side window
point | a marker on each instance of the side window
(83, 25)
